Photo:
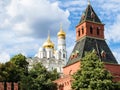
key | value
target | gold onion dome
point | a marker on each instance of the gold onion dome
(48, 43)
(61, 33)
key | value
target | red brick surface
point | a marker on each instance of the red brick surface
(1, 86)
(15, 86)
(8, 86)
(86, 25)
(71, 69)
(66, 80)
(114, 70)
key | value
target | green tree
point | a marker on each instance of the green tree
(20, 61)
(3, 73)
(92, 75)
(38, 79)
(14, 70)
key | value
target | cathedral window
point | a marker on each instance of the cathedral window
(49, 53)
(82, 30)
(98, 31)
(63, 55)
(91, 30)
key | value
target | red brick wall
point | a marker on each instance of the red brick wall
(64, 83)
(1, 86)
(15, 86)
(71, 69)
(86, 25)
(114, 69)
(8, 86)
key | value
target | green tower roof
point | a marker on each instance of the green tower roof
(87, 44)
(89, 15)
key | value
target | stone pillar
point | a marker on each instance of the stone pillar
(1, 85)
(15, 86)
(8, 86)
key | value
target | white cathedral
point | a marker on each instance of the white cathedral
(49, 56)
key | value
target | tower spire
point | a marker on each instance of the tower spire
(48, 35)
(88, 2)
(60, 26)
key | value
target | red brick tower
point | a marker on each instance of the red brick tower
(89, 37)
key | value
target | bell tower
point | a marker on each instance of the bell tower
(89, 25)
(90, 37)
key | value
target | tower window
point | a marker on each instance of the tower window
(91, 30)
(98, 31)
(79, 32)
(82, 30)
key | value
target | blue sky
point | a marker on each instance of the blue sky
(24, 24)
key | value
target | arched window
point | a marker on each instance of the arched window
(82, 30)
(70, 72)
(98, 30)
(79, 32)
(91, 30)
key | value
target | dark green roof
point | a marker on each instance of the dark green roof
(87, 44)
(89, 15)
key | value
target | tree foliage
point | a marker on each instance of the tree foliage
(92, 75)
(39, 79)
(20, 62)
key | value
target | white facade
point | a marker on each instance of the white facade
(51, 58)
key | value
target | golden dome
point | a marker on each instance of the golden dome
(61, 33)
(48, 43)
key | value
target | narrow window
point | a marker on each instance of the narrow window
(49, 53)
(82, 30)
(63, 55)
(78, 32)
(91, 30)
(98, 31)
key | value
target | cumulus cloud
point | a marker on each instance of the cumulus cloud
(36, 17)
(25, 24)
(4, 57)
(112, 32)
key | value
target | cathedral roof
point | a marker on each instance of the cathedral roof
(48, 43)
(87, 44)
(89, 15)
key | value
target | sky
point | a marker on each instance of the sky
(24, 24)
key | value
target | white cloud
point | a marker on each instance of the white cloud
(24, 20)
(113, 31)
(26, 23)
(4, 57)
(37, 15)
